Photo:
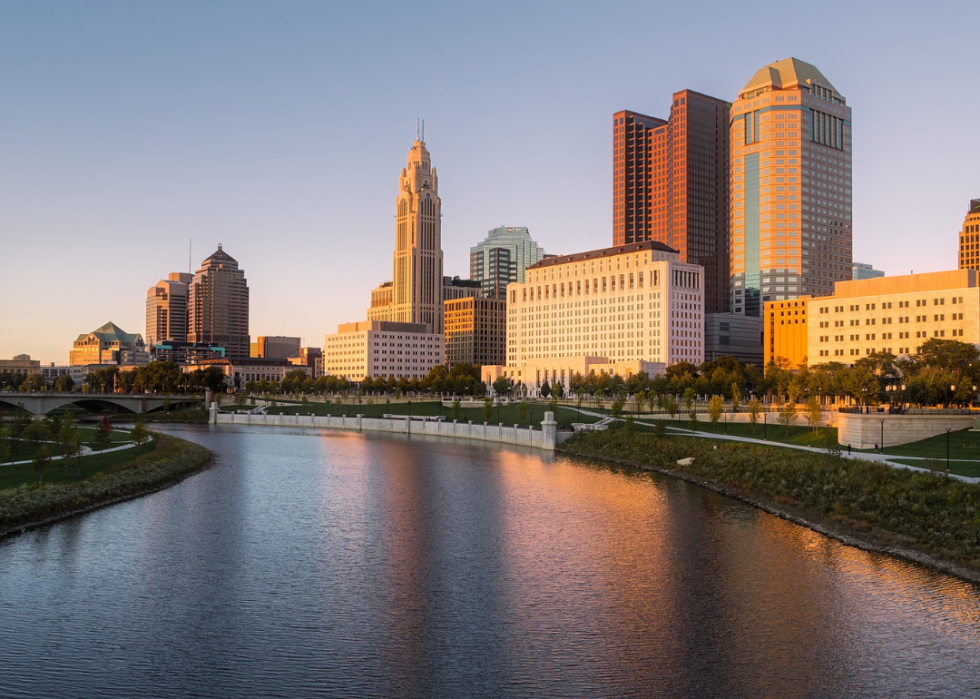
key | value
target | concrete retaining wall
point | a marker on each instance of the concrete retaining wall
(545, 438)
(864, 431)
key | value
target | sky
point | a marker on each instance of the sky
(131, 130)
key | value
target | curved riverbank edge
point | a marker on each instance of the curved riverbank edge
(28, 507)
(810, 520)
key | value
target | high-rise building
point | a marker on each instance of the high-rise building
(861, 270)
(671, 184)
(456, 288)
(790, 187)
(402, 336)
(277, 347)
(502, 258)
(218, 305)
(416, 292)
(476, 331)
(970, 238)
(166, 309)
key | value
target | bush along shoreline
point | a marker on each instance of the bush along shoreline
(915, 515)
(35, 504)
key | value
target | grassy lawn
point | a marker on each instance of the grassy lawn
(970, 469)
(508, 414)
(13, 476)
(25, 450)
(964, 445)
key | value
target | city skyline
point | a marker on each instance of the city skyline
(132, 131)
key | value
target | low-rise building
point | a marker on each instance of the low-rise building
(109, 344)
(278, 347)
(887, 314)
(786, 331)
(186, 352)
(20, 364)
(385, 349)
(238, 372)
(529, 377)
(476, 331)
(733, 335)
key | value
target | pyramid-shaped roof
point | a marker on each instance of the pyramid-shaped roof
(110, 332)
(220, 256)
(787, 73)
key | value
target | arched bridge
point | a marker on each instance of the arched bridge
(42, 403)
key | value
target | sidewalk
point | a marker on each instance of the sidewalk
(883, 458)
(86, 451)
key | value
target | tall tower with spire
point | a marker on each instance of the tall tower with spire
(417, 281)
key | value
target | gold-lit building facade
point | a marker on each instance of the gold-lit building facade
(791, 212)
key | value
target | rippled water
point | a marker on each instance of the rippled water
(315, 564)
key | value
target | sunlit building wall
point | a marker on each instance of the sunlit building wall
(791, 217)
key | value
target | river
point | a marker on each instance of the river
(329, 564)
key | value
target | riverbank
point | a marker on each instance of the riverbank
(34, 505)
(918, 516)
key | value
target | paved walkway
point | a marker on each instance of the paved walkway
(864, 456)
(86, 451)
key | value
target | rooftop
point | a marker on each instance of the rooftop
(651, 245)
(787, 73)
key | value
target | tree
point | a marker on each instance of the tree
(814, 414)
(736, 397)
(22, 419)
(522, 409)
(65, 436)
(72, 449)
(639, 401)
(34, 382)
(456, 408)
(103, 434)
(692, 411)
(64, 384)
(545, 390)
(670, 405)
(558, 391)
(6, 446)
(787, 416)
(139, 435)
(35, 433)
(501, 386)
(617, 407)
(487, 409)
(715, 406)
(41, 460)
(755, 410)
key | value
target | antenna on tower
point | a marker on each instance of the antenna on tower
(423, 130)
(416, 128)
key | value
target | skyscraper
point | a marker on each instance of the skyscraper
(218, 305)
(166, 309)
(670, 184)
(502, 258)
(970, 238)
(417, 287)
(791, 187)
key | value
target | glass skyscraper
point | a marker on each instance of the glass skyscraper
(502, 258)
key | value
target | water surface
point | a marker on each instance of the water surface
(330, 564)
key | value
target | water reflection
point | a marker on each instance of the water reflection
(344, 565)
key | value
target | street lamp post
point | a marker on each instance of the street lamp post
(498, 413)
(410, 417)
(765, 426)
(947, 450)
(882, 435)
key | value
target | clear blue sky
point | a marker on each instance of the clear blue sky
(279, 129)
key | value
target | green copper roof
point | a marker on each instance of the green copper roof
(111, 332)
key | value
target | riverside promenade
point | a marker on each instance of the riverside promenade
(547, 438)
